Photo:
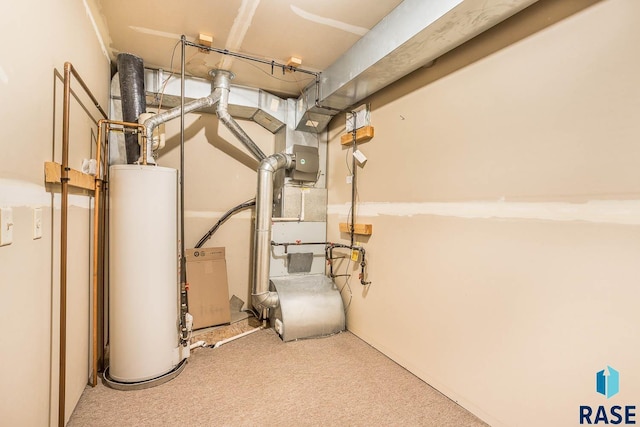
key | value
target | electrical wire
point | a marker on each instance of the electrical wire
(346, 159)
(164, 83)
(354, 181)
(357, 194)
(347, 282)
(226, 216)
(171, 74)
(294, 80)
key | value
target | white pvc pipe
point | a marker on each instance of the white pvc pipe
(235, 337)
(197, 344)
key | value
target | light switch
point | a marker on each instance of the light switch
(6, 226)
(37, 223)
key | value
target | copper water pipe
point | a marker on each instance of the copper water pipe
(64, 178)
(96, 256)
(69, 71)
(98, 261)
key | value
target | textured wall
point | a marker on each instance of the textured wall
(503, 189)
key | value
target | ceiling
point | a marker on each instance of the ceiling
(316, 31)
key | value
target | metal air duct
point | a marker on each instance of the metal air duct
(151, 123)
(268, 166)
(261, 297)
(413, 34)
(267, 110)
(222, 82)
(219, 98)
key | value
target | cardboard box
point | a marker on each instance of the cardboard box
(208, 289)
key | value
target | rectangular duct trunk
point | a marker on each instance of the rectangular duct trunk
(413, 34)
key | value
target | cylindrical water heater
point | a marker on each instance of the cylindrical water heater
(143, 272)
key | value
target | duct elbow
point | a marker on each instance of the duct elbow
(146, 152)
(212, 99)
(265, 300)
(276, 161)
(267, 165)
(150, 124)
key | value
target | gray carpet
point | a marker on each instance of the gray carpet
(258, 379)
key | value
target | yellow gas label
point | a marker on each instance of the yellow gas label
(354, 255)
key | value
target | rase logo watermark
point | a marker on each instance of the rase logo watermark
(608, 384)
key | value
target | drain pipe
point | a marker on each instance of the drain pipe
(222, 81)
(261, 297)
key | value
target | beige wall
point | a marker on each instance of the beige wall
(38, 37)
(503, 188)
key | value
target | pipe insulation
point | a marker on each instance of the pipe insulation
(132, 94)
(261, 297)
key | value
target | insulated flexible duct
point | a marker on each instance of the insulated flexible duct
(131, 72)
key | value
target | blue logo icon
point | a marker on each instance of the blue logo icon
(608, 382)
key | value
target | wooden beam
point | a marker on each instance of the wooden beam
(363, 134)
(53, 171)
(362, 229)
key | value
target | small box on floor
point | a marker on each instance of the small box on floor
(208, 289)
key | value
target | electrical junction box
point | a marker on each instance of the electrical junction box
(208, 289)
(307, 163)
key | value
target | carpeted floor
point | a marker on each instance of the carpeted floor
(259, 380)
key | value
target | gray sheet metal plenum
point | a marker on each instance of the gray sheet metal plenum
(134, 102)
(310, 306)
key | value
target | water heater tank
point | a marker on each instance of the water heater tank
(143, 272)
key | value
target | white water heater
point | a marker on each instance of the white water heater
(143, 273)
